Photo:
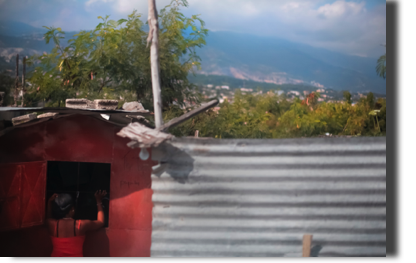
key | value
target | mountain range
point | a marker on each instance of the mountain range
(237, 55)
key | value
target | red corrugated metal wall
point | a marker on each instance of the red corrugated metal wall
(76, 138)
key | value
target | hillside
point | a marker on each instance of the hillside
(241, 56)
(279, 61)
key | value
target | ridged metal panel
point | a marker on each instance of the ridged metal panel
(232, 198)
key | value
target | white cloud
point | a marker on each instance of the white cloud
(341, 25)
(341, 8)
(126, 6)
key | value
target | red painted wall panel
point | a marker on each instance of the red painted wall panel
(79, 139)
(28, 242)
(23, 145)
(33, 191)
(10, 183)
(86, 139)
(22, 195)
(117, 243)
(131, 194)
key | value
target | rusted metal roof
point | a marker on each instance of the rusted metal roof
(232, 198)
(115, 119)
(73, 110)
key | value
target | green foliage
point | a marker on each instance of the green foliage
(347, 97)
(381, 66)
(113, 61)
(272, 116)
(7, 86)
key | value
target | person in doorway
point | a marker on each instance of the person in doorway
(68, 234)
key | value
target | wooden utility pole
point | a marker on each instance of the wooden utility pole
(23, 80)
(154, 61)
(16, 82)
(1, 97)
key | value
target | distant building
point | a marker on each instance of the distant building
(216, 109)
(247, 90)
(217, 87)
(210, 85)
(297, 93)
(306, 93)
(225, 87)
(320, 90)
(280, 92)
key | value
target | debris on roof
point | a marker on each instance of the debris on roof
(23, 118)
(141, 120)
(48, 114)
(87, 104)
(143, 136)
(133, 106)
(68, 110)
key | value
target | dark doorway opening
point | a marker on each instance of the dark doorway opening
(81, 180)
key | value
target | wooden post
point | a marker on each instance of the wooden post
(196, 133)
(1, 97)
(154, 62)
(16, 82)
(307, 241)
(23, 80)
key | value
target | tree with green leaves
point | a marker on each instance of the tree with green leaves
(272, 116)
(6, 87)
(113, 62)
(347, 97)
(381, 66)
(370, 99)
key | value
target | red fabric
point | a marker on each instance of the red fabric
(67, 246)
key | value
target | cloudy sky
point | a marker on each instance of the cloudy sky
(356, 27)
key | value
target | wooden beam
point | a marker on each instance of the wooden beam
(307, 241)
(187, 115)
(23, 81)
(154, 62)
(2, 93)
(16, 82)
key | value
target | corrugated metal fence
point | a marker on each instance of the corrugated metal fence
(231, 198)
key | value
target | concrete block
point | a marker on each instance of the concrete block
(105, 104)
(24, 118)
(79, 104)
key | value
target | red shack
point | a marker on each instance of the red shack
(74, 153)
